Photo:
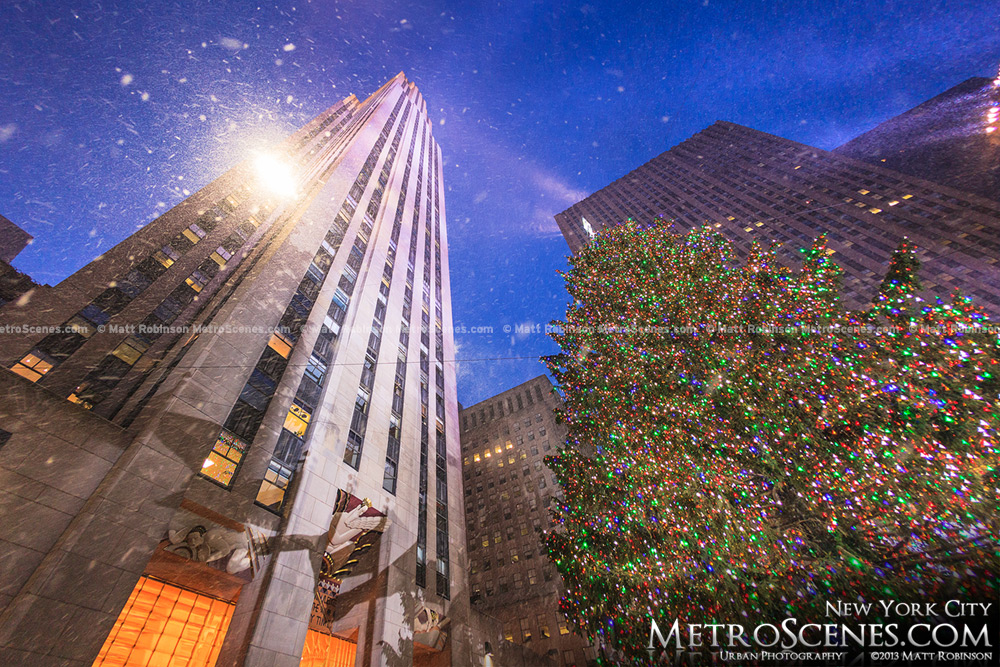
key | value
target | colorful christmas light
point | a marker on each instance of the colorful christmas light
(742, 448)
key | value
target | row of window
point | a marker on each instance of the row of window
(392, 449)
(471, 417)
(240, 428)
(57, 347)
(443, 560)
(362, 404)
(422, 488)
(543, 623)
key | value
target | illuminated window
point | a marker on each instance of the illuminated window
(166, 256)
(525, 630)
(907, 196)
(32, 366)
(323, 650)
(221, 256)
(272, 488)
(543, 627)
(297, 420)
(475, 457)
(130, 350)
(280, 344)
(197, 280)
(224, 458)
(563, 630)
(165, 625)
(194, 233)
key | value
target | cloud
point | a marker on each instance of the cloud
(556, 196)
(7, 131)
(557, 189)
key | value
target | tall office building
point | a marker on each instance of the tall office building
(233, 437)
(753, 186)
(508, 492)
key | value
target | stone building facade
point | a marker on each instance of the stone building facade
(233, 438)
(508, 491)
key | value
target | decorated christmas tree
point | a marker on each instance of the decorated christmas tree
(742, 448)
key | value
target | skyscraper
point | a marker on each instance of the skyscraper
(753, 186)
(234, 436)
(508, 492)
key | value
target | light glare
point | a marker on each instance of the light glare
(276, 175)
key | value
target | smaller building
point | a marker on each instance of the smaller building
(13, 240)
(508, 490)
(14, 285)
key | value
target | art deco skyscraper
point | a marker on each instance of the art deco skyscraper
(234, 435)
(753, 186)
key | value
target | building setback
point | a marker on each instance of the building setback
(951, 139)
(508, 491)
(233, 438)
(753, 186)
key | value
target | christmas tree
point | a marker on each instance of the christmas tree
(743, 448)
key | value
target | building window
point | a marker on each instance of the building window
(543, 627)
(32, 366)
(525, 629)
(224, 459)
(162, 624)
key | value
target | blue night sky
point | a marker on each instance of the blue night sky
(110, 113)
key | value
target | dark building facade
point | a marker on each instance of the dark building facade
(952, 139)
(233, 438)
(508, 491)
(14, 285)
(754, 186)
(13, 240)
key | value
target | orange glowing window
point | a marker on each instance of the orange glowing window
(280, 344)
(32, 366)
(225, 457)
(165, 625)
(323, 650)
